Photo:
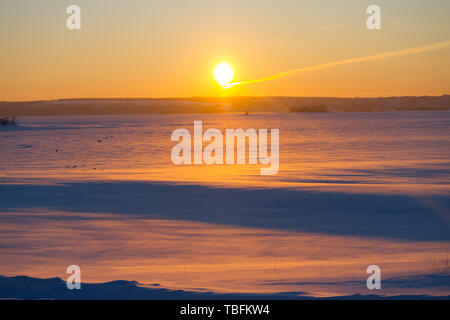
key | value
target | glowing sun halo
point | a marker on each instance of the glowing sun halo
(224, 74)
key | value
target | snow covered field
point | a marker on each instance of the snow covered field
(353, 190)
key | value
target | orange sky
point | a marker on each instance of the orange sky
(161, 48)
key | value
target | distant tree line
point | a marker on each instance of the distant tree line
(309, 108)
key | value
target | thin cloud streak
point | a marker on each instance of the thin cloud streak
(385, 55)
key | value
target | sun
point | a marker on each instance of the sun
(224, 74)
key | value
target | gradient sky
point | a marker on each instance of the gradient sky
(167, 48)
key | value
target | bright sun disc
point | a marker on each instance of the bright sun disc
(224, 74)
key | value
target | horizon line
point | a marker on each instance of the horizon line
(222, 97)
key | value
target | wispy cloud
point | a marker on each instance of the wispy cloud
(379, 56)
